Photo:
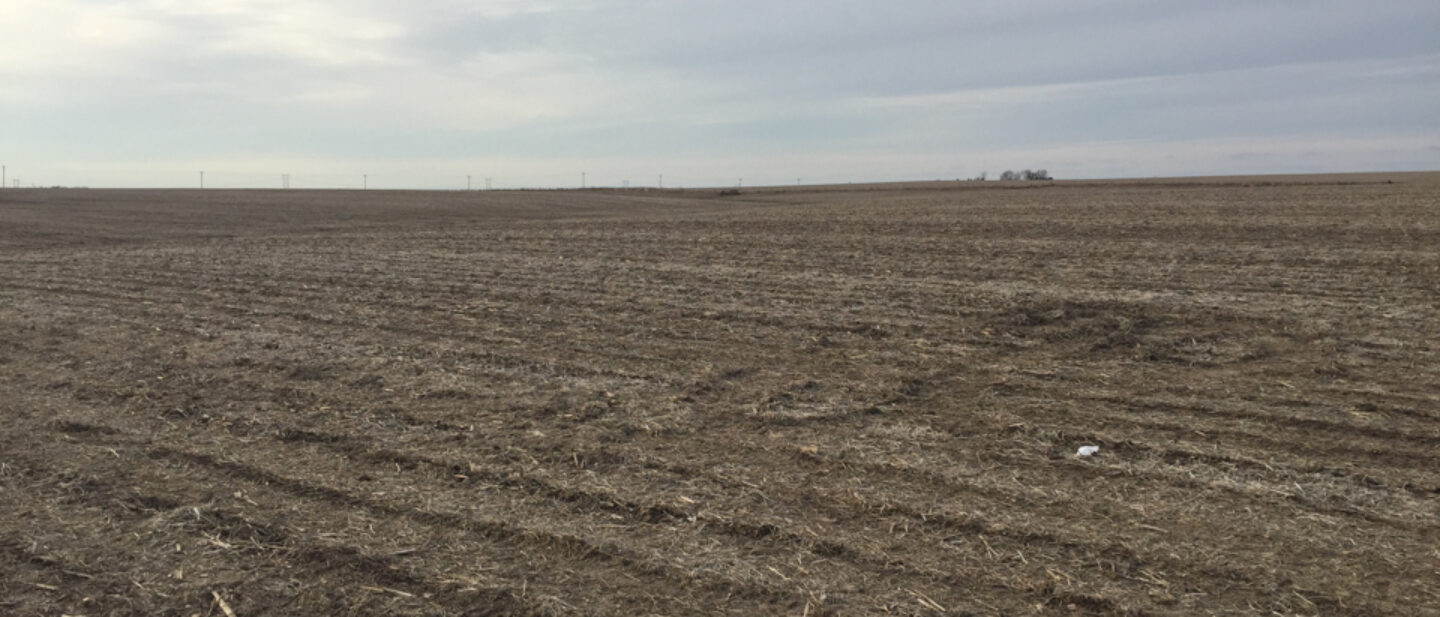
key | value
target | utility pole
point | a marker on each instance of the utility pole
(202, 180)
(582, 179)
(467, 183)
(3, 171)
(487, 184)
(660, 182)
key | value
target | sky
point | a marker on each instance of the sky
(423, 93)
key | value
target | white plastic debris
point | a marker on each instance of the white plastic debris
(1087, 450)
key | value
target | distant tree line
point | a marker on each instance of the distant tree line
(1028, 174)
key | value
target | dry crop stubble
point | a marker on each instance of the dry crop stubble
(791, 401)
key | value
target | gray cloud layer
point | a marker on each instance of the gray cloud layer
(532, 93)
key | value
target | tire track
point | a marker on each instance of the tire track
(506, 538)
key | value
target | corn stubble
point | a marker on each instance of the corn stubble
(858, 400)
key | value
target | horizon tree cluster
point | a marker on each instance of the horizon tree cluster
(1037, 174)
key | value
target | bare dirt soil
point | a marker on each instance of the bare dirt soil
(855, 400)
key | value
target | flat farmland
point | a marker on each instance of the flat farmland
(852, 400)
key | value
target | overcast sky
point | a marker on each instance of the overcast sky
(533, 93)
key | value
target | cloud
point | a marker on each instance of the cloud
(801, 87)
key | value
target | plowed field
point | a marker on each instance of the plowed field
(834, 401)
